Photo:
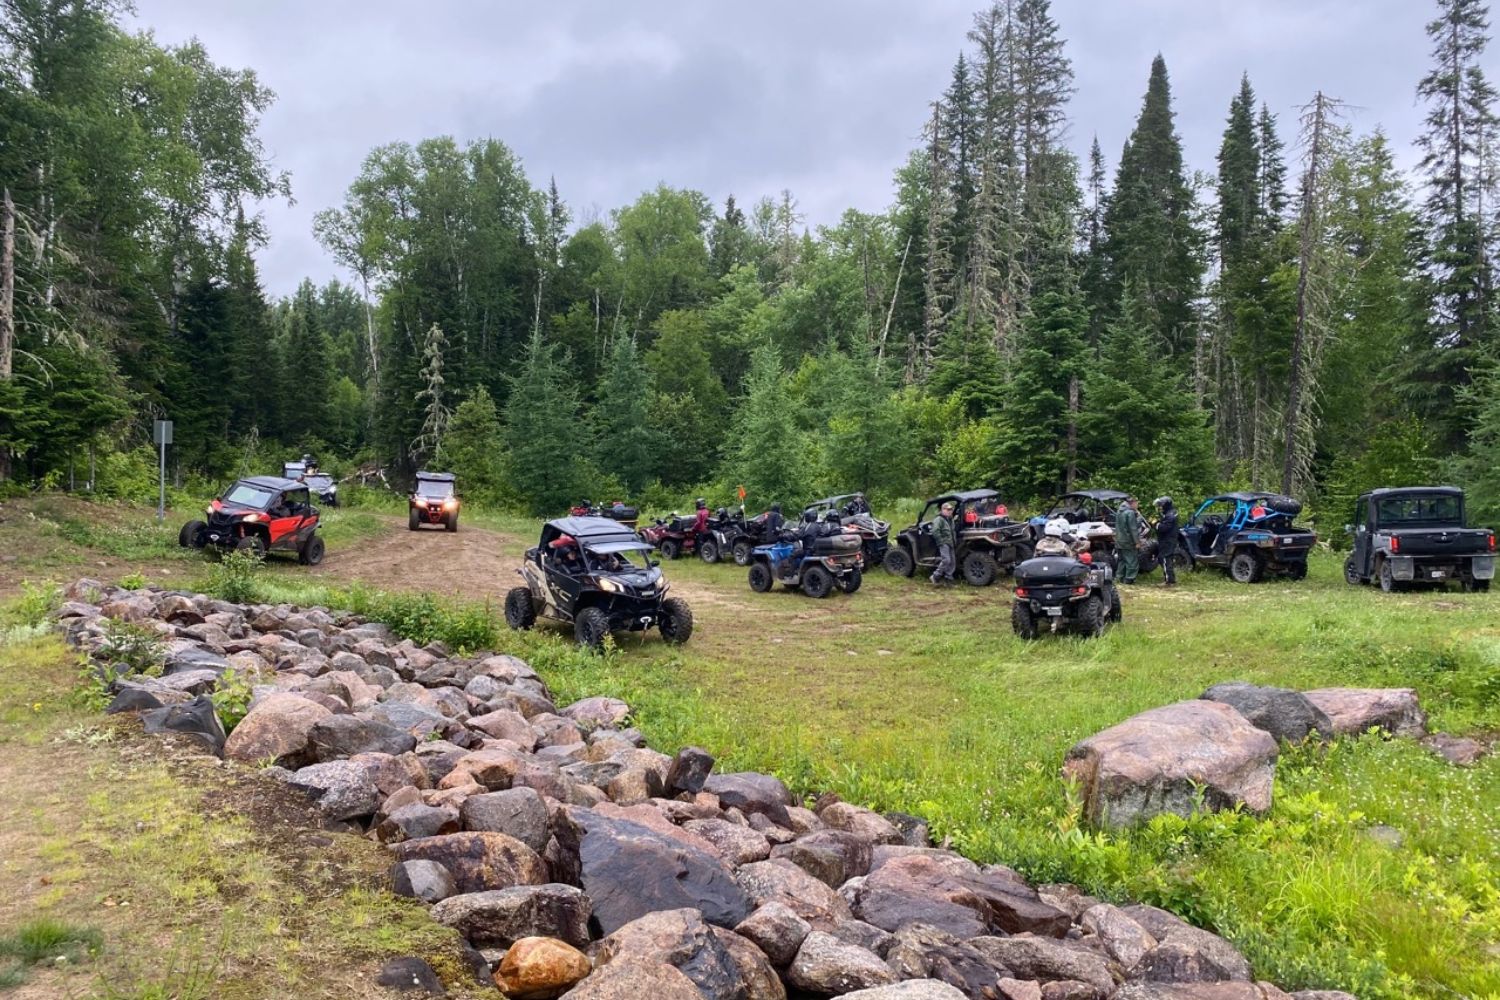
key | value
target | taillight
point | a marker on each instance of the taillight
(1080, 591)
(1396, 543)
(1022, 592)
(1492, 542)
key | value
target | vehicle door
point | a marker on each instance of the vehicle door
(1364, 536)
(292, 519)
(924, 548)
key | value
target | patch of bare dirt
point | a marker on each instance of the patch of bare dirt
(471, 563)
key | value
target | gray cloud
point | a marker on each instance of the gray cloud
(823, 98)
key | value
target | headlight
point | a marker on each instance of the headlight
(208, 510)
(611, 586)
(252, 518)
(450, 503)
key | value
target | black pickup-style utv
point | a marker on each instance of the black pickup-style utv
(595, 574)
(1416, 536)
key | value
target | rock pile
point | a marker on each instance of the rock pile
(579, 863)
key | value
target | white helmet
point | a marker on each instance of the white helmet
(1056, 528)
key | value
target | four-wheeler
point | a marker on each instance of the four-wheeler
(595, 574)
(811, 562)
(434, 500)
(1416, 536)
(259, 515)
(1249, 534)
(743, 534)
(989, 542)
(673, 536)
(293, 470)
(854, 511)
(615, 511)
(724, 529)
(322, 486)
(1063, 593)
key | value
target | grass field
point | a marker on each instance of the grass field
(902, 697)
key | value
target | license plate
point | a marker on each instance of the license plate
(1054, 612)
(1438, 574)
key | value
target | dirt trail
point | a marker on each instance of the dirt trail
(472, 563)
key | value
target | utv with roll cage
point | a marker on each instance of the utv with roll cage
(989, 542)
(259, 515)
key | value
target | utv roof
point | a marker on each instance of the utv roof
(437, 477)
(1104, 495)
(1386, 491)
(1244, 497)
(833, 501)
(593, 529)
(966, 496)
(273, 483)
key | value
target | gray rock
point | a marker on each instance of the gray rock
(1284, 713)
(420, 722)
(346, 735)
(1356, 710)
(913, 829)
(503, 916)
(629, 870)
(760, 978)
(636, 980)
(777, 931)
(1173, 759)
(1184, 953)
(597, 713)
(1196, 991)
(1123, 939)
(919, 952)
(133, 699)
(520, 812)
(782, 882)
(417, 820)
(829, 967)
(690, 769)
(912, 989)
(831, 856)
(1046, 961)
(424, 880)
(478, 861)
(342, 789)
(1460, 751)
(863, 823)
(739, 845)
(949, 895)
(410, 975)
(863, 935)
(750, 792)
(680, 938)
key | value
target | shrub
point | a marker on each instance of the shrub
(233, 579)
(231, 698)
(34, 607)
(138, 649)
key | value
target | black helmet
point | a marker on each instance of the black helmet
(1162, 502)
(832, 515)
(702, 503)
(810, 516)
(584, 503)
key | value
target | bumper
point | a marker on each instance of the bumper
(432, 515)
(1409, 569)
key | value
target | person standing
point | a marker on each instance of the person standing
(946, 538)
(1128, 539)
(1166, 540)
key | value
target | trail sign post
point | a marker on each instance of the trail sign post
(162, 435)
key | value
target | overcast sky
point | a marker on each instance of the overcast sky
(824, 97)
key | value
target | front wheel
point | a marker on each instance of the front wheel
(709, 551)
(591, 627)
(253, 544)
(761, 580)
(817, 582)
(451, 522)
(412, 520)
(671, 548)
(191, 535)
(898, 562)
(676, 621)
(312, 552)
(1245, 567)
(1351, 573)
(743, 551)
(852, 581)
(1022, 621)
(520, 611)
(980, 569)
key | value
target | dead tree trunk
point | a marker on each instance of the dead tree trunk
(7, 285)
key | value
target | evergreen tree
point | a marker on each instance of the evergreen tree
(1093, 278)
(310, 369)
(730, 244)
(1459, 153)
(765, 454)
(688, 405)
(967, 368)
(1272, 181)
(865, 446)
(1151, 240)
(1141, 427)
(628, 448)
(1480, 468)
(473, 446)
(543, 433)
(427, 447)
(957, 114)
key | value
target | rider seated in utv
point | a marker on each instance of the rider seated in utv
(434, 500)
(259, 515)
(1062, 588)
(854, 511)
(814, 559)
(596, 575)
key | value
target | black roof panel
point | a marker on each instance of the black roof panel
(1097, 494)
(1386, 491)
(273, 483)
(591, 527)
(966, 496)
(437, 477)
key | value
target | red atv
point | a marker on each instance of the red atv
(260, 515)
(672, 537)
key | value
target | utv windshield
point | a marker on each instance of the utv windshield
(433, 489)
(245, 495)
(1437, 508)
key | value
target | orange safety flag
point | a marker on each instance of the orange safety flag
(742, 493)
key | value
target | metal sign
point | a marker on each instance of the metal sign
(162, 433)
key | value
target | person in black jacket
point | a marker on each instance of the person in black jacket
(774, 521)
(1166, 540)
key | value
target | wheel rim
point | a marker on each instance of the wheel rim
(742, 554)
(1241, 569)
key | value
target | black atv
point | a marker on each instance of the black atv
(259, 515)
(322, 486)
(1061, 593)
(989, 542)
(595, 574)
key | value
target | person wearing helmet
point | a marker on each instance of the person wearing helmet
(1128, 539)
(946, 538)
(1057, 539)
(700, 520)
(774, 520)
(1166, 540)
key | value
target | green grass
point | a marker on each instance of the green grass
(43, 941)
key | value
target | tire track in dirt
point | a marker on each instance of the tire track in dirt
(472, 563)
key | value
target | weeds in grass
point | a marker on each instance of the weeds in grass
(231, 698)
(133, 581)
(34, 605)
(234, 578)
(42, 941)
(132, 647)
(191, 971)
(136, 542)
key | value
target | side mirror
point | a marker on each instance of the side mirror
(1348, 529)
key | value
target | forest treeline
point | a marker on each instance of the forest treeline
(1305, 316)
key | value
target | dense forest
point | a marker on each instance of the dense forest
(1306, 316)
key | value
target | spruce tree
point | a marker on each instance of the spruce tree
(628, 448)
(309, 367)
(688, 406)
(865, 446)
(1151, 240)
(966, 367)
(473, 447)
(427, 447)
(545, 437)
(1093, 276)
(765, 454)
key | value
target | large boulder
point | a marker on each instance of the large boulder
(635, 980)
(501, 916)
(196, 719)
(831, 856)
(477, 861)
(342, 789)
(597, 713)
(1357, 710)
(1284, 713)
(416, 820)
(278, 729)
(1047, 961)
(680, 938)
(780, 881)
(629, 870)
(739, 845)
(1172, 760)
(750, 792)
(920, 952)
(762, 982)
(690, 769)
(519, 812)
(540, 968)
(829, 967)
(951, 896)
(339, 736)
